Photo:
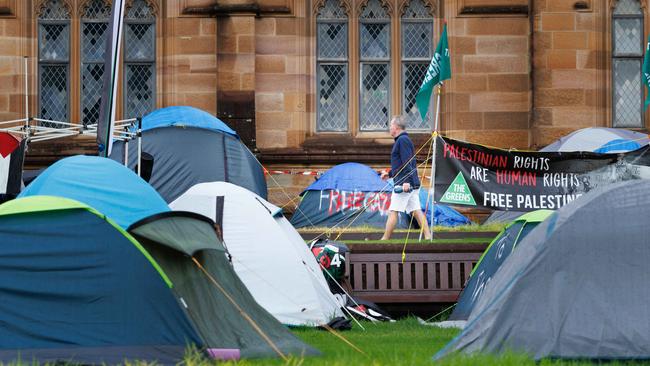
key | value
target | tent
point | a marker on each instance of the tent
(77, 288)
(190, 146)
(574, 287)
(495, 254)
(101, 183)
(347, 194)
(223, 310)
(267, 253)
(595, 139)
(600, 140)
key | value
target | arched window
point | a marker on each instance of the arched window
(139, 60)
(54, 60)
(332, 67)
(94, 30)
(627, 58)
(417, 50)
(374, 52)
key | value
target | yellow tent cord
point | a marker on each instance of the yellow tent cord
(241, 311)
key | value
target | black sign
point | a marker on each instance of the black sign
(474, 175)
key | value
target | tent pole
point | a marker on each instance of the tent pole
(432, 186)
(126, 153)
(139, 146)
(25, 59)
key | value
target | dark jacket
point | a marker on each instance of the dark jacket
(403, 169)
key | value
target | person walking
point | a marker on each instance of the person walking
(404, 171)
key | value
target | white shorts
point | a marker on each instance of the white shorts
(405, 201)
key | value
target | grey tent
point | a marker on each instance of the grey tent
(190, 146)
(575, 287)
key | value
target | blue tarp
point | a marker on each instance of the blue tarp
(350, 177)
(443, 215)
(183, 116)
(101, 183)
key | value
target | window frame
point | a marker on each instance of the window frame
(74, 64)
(148, 62)
(332, 61)
(375, 60)
(614, 58)
(41, 62)
(416, 60)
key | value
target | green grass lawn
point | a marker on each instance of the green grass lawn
(414, 241)
(402, 343)
(367, 229)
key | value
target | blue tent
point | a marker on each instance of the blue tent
(101, 183)
(443, 215)
(354, 194)
(190, 146)
(182, 116)
(349, 194)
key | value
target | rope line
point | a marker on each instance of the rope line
(241, 311)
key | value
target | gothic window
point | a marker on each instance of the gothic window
(139, 60)
(54, 61)
(332, 67)
(374, 53)
(94, 30)
(417, 50)
(627, 58)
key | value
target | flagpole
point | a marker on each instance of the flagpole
(432, 186)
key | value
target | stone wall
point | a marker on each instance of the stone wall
(488, 98)
(571, 69)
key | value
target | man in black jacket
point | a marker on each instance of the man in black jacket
(404, 171)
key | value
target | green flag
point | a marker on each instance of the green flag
(646, 71)
(439, 70)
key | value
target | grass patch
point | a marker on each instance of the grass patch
(402, 343)
(415, 241)
(368, 229)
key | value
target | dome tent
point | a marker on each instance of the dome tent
(347, 194)
(571, 289)
(105, 185)
(495, 254)
(190, 146)
(291, 286)
(128, 199)
(354, 194)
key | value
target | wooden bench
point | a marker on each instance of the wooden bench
(432, 273)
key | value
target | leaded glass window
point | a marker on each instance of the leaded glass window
(374, 43)
(94, 31)
(139, 60)
(332, 68)
(53, 61)
(417, 50)
(627, 58)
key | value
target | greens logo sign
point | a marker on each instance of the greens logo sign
(458, 192)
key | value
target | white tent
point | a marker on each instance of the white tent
(268, 254)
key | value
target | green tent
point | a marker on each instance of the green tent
(95, 293)
(497, 252)
(227, 316)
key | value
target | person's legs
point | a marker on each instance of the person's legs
(422, 221)
(390, 225)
